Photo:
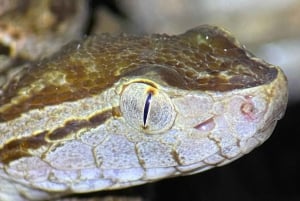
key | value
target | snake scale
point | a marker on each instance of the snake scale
(114, 111)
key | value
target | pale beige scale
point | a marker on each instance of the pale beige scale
(111, 112)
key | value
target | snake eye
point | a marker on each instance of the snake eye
(146, 108)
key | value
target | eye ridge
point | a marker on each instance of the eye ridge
(147, 108)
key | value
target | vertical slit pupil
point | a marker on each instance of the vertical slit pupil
(146, 108)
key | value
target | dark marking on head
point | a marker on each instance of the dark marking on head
(73, 126)
(18, 148)
(69, 128)
(100, 118)
(156, 73)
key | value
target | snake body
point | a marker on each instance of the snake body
(114, 111)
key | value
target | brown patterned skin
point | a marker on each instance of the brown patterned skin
(203, 58)
(115, 111)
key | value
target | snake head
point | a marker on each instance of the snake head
(115, 111)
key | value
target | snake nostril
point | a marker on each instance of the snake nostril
(249, 110)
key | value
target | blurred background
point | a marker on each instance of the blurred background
(271, 30)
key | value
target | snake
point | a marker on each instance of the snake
(118, 110)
